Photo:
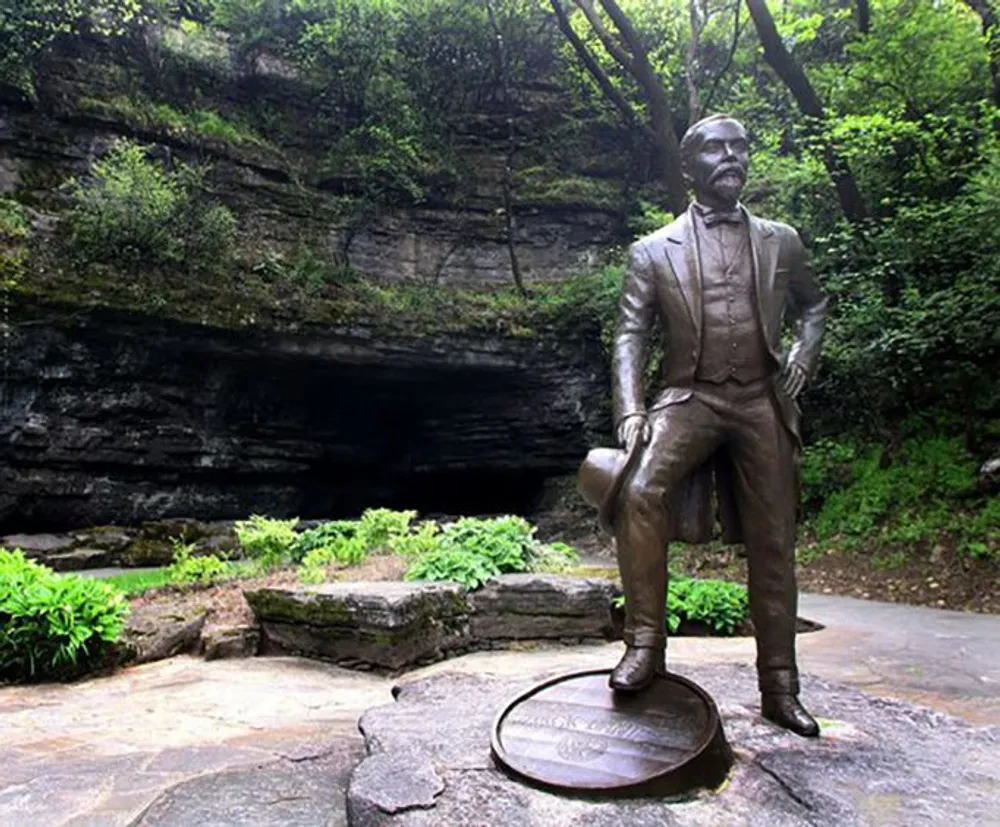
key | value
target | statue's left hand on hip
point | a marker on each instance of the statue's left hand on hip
(793, 379)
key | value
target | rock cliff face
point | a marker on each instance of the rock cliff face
(279, 184)
(108, 417)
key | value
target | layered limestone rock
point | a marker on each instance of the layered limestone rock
(114, 418)
(392, 625)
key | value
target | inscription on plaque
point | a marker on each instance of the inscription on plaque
(577, 732)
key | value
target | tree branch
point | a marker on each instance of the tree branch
(609, 43)
(616, 98)
(991, 30)
(784, 65)
(503, 68)
(737, 34)
(864, 16)
(690, 70)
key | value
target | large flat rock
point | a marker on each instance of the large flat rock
(384, 624)
(537, 606)
(392, 625)
(877, 762)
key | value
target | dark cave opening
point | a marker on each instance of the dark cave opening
(460, 492)
(216, 425)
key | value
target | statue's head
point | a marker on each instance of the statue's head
(715, 155)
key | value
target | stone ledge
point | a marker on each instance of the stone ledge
(393, 625)
(385, 624)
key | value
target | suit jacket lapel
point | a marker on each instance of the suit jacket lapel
(685, 263)
(765, 260)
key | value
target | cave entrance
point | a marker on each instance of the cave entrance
(448, 493)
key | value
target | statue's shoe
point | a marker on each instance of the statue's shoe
(784, 709)
(637, 669)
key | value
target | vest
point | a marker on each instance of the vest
(732, 344)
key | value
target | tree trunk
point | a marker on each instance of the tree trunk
(503, 69)
(784, 65)
(864, 16)
(632, 56)
(991, 29)
(616, 98)
(691, 64)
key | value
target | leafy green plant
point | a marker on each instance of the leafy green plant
(421, 540)
(338, 551)
(379, 527)
(555, 557)
(54, 626)
(721, 605)
(157, 116)
(470, 551)
(452, 564)
(187, 569)
(268, 542)
(718, 604)
(134, 212)
(913, 491)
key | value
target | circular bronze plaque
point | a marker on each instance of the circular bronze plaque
(574, 734)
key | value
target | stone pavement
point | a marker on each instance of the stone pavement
(272, 741)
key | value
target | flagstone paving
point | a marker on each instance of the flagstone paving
(272, 741)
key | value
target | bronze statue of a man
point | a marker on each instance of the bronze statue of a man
(719, 282)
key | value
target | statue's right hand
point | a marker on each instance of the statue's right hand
(634, 428)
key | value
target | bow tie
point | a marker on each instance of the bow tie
(723, 217)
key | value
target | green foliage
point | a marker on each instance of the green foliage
(826, 468)
(470, 551)
(27, 27)
(137, 110)
(52, 626)
(923, 491)
(718, 604)
(270, 543)
(204, 570)
(555, 558)
(14, 224)
(452, 564)
(348, 542)
(132, 212)
(421, 539)
(15, 231)
(338, 550)
(135, 583)
(379, 528)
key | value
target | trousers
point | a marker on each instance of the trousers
(744, 421)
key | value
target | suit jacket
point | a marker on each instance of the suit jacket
(664, 286)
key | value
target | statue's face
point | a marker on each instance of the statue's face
(717, 167)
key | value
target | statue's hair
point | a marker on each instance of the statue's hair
(692, 138)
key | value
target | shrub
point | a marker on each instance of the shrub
(421, 540)
(339, 550)
(556, 557)
(718, 604)
(922, 479)
(452, 564)
(470, 551)
(187, 569)
(54, 626)
(134, 212)
(270, 543)
(324, 535)
(379, 527)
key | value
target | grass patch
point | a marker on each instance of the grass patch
(156, 116)
(136, 583)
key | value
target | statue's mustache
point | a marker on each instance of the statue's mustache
(731, 169)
